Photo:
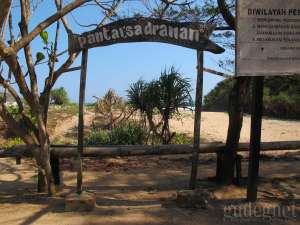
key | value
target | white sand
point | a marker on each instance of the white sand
(215, 124)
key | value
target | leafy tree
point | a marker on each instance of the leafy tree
(281, 97)
(59, 96)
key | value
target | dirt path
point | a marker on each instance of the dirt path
(66, 130)
(140, 191)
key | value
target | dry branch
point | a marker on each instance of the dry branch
(217, 73)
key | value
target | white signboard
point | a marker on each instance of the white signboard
(268, 41)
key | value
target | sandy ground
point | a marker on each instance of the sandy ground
(214, 127)
(141, 190)
(66, 131)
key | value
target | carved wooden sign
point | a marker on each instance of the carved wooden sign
(190, 34)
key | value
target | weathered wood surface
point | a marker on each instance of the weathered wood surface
(193, 35)
(139, 150)
(255, 137)
(197, 120)
(84, 62)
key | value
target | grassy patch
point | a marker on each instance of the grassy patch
(11, 142)
(126, 134)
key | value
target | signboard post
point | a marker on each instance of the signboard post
(268, 40)
(197, 120)
(84, 61)
(268, 44)
(255, 137)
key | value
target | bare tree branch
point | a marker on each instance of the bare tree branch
(208, 70)
(12, 91)
(227, 15)
(110, 12)
(12, 62)
(64, 20)
(4, 11)
(43, 25)
(25, 15)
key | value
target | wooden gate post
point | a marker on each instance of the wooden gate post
(255, 137)
(84, 59)
(197, 120)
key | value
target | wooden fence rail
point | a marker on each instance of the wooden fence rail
(66, 151)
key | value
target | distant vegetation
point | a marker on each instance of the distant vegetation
(59, 96)
(281, 97)
(110, 110)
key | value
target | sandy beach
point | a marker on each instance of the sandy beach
(214, 127)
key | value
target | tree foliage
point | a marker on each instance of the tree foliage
(59, 96)
(166, 96)
(281, 97)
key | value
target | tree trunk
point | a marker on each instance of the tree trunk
(47, 170)
(227, 158)
(42, 182)
(45, 152)
(165, 134)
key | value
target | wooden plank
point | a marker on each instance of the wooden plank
(193, 35)
(197, 120)
(255, 137)
(84, 59)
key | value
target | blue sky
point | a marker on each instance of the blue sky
(118, 66)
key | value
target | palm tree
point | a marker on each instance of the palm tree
(165, 95)
(174, 94)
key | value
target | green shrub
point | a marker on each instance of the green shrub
(182, 139)
(97, 137)
(11, 142)
(59, 96)
(126, 134)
